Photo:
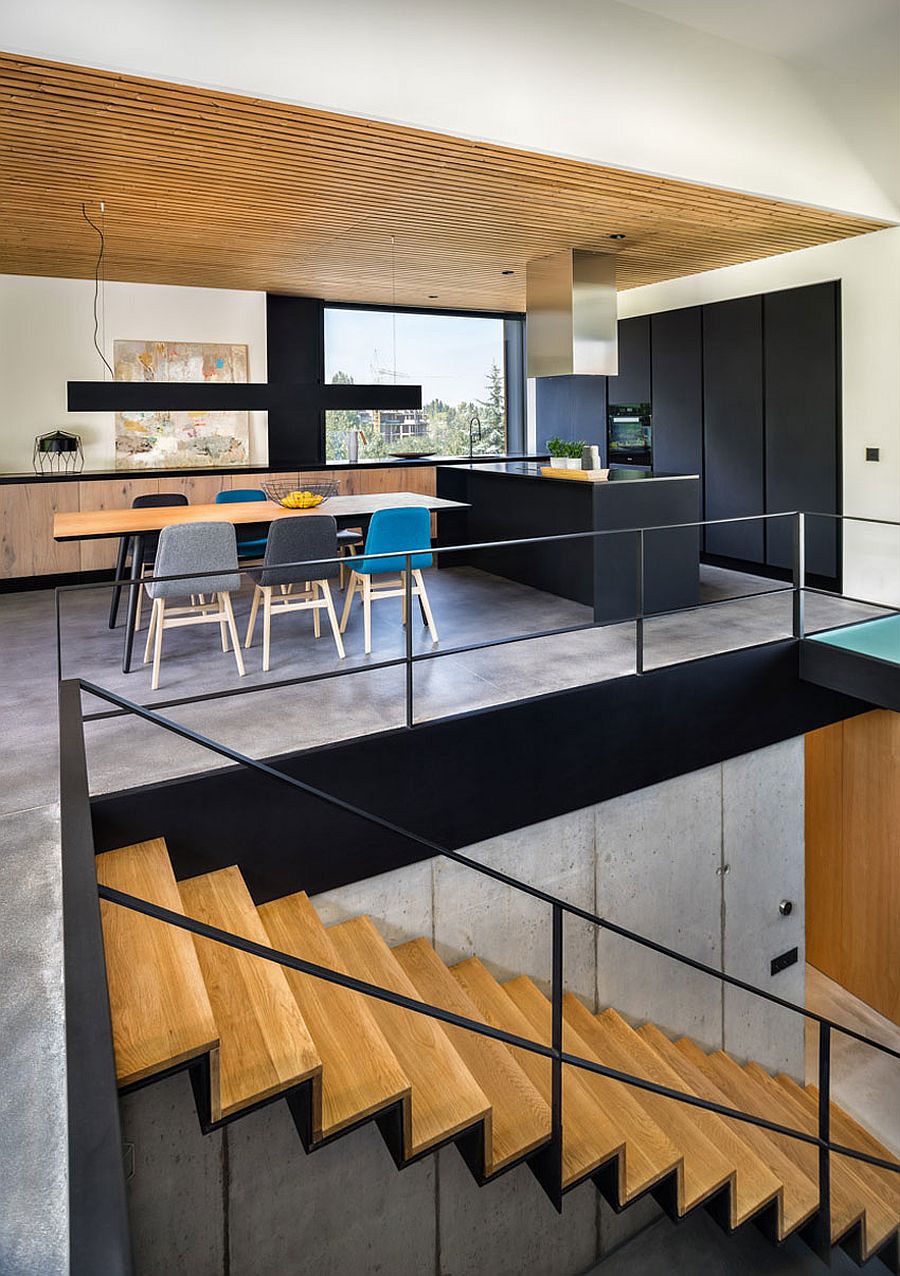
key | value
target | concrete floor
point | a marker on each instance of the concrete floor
(469, 606)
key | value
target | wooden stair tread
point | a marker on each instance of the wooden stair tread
(799, 1195)
(265, 1047)
(161, 1014)
(758, 1099)
(649, 1155)
(586, 1146)
(445, 1096)
(360, 1073)
(851, 1194)
(707, 1157)
(846, 1129)
(520, 1119)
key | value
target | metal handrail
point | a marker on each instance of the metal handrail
(552, 1153)
(397, 830)
(553, 1052)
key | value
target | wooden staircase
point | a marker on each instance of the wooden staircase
(251, 1032)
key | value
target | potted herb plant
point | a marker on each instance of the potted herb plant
(564, 455)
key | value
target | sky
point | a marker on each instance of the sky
(449, 356)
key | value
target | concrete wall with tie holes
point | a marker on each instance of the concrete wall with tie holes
(700, 863)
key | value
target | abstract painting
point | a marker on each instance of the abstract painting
(175, 440)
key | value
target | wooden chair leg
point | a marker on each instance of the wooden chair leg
(254, 608)
(151, 628)
(317, 623)
(343, 568)
(160, 608)
(267, 626)
(355, 581)
(367, 612)
(223, 623)
(332, 616)
(426, 605)
(225, 604)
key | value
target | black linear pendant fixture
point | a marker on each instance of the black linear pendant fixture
(220, 396)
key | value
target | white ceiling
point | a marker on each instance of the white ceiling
(812, 31)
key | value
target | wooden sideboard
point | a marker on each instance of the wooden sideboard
(27, 547)
(853, 856)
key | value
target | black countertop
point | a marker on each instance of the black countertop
(531, 469)
(85, 476)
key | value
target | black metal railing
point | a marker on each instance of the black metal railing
(552, 1154)
(798, 588)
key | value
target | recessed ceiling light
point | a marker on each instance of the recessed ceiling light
(618, 235)
(432, 296)
(507, 272)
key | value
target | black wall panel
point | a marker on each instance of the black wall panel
(543, 756)
(571, 408)
(733, 426)
(802, 420)
(632, 385)
(295, 351)
(677, 371)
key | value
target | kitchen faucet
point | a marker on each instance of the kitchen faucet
(474, 423)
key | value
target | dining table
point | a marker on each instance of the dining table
(135, 524)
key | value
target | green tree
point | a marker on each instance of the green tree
(337, 423)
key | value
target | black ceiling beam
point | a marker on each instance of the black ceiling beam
(219, 396)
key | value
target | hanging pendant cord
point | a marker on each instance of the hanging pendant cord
(99, 263)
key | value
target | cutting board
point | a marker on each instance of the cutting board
(580, 476)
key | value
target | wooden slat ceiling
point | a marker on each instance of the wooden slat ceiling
(216, 190)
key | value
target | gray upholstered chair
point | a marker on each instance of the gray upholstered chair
(185, 548)
(305, 540)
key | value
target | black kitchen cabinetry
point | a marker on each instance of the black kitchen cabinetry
(733, 426)
(677, 383)
(632, 383)
(802, 397)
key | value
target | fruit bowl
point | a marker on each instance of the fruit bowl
(298, 495)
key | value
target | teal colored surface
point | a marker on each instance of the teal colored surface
(878, 638)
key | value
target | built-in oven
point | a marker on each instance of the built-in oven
(629, 435)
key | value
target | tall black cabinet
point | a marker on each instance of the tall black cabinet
(677, 387)
(802, 382)
(733, 474)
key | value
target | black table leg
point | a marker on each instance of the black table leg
(120, 575)
(137, 560)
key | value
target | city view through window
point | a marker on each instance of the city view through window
(457, 360)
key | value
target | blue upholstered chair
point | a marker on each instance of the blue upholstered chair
(250, 543)
(393, 532)
(185, 548)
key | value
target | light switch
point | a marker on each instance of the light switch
(873, 454)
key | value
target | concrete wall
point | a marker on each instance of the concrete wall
(699, 862)
(47, 327)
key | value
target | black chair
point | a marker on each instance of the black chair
(147, 544)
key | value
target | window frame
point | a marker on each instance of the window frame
(514, 380)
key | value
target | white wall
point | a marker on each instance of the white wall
(594, 79)
(47, 327)
(869, 271)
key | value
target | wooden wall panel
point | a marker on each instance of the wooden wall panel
(218, 190)
(109, 494)
(871, 878)
(27, 547)
(853, 856)
(824, 849)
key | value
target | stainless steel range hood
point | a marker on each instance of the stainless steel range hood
(570, 305)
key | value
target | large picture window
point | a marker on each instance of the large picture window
(461, 362)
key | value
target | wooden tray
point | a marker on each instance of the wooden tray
(582, 476)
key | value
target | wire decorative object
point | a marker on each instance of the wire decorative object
(289, 494)
(57, 453)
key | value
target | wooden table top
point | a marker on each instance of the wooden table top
(96, 524)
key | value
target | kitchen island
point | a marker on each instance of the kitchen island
(512, 500)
